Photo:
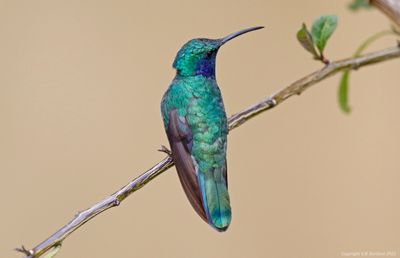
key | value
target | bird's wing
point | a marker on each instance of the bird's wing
(180, 139)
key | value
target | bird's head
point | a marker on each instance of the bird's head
(197, 56)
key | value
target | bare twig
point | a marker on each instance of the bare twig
(234, 121)
(302, 84)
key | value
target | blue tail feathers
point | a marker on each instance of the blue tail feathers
(214, 190)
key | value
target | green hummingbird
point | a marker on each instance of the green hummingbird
(196, 125)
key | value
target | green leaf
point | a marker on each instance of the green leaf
(343, 93)
(306, 40)
(322, 30)
(356, 5)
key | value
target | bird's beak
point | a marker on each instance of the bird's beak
(235, 34)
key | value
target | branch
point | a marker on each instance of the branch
(389, 7)
(236, 120)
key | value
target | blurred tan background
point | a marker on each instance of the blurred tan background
(80, 87)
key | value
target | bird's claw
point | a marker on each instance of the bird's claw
(23, 250)
(165, 150)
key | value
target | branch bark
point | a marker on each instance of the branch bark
(389, 7)
(236, 120)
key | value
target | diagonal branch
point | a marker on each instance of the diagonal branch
(236, 120)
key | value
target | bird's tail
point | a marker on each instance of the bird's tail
(214, 190)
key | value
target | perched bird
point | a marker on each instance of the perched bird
(196, 125)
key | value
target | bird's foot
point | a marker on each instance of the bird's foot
(23, 250)
(165, 150)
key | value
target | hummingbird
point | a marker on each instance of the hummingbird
(196, 125)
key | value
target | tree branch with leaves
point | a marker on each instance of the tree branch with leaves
(314, 42)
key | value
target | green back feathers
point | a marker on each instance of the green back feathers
(197, 99)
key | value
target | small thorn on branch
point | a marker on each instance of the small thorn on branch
(356, 65)
(77, 214)
(298, 92)
(272, 102)
(165, 150)
(23, 250)
(116, 202)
